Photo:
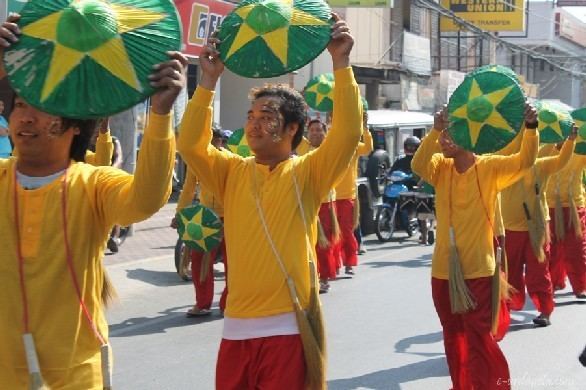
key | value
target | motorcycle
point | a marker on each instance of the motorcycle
(396, 210)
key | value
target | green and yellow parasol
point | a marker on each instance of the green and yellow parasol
(579, 117)
(238, 144)
(319, 92)
(486, 111)
(90, 58)
(199, 227)
(555, 122)
(268, 38)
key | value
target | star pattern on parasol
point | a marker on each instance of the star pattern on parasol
(550, 118)
(323, 88)
(195, 230)
(271, 20)
(480, 110)
(97, 35)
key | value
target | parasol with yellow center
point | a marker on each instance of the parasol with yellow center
(319, 92)
(555, 122)
(90, 58)
(268, 38)
(238, 144)
(486, 111)
(199, 227)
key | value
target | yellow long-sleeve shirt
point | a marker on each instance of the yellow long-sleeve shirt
(97, 198)
(524, 190)
(566, 181)
(257, 286)
(304, 147)
(469, 217)
(346, 187)
(206, 198)
(104, 151)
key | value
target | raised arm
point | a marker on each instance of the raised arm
(510, 168)
(195, 132)
(104, 148)
(124, 199)
(366, 145)
(331, 159)
(423, 163)
(553, 164)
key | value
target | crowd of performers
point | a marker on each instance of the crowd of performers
(299, 210)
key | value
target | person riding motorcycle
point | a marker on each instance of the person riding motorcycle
(403, 164)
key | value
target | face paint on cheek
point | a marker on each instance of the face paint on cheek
(54, 129)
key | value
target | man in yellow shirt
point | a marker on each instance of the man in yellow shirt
(346, 204)
(58, 214)
(565, 197)
(271, 203)
(466, 188)
(204, 285)
(525, 216)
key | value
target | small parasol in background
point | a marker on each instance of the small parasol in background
(579, 117)
(319, 92)
(238, 144)
(555, 122)
(199, 227)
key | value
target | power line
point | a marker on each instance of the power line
(430, 4)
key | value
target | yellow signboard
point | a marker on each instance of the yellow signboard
(489, 15)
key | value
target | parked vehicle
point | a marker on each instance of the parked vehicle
(389, 129)
(397, 211)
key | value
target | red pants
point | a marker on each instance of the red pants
(525, 269)
(568, 255)
(474, 358)
(204, 291)
(267, 363)
(348, 246)
(326, 262)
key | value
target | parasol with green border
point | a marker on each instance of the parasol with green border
(90, 58)
(199, 227)
(497, 68)
(555, 122)
(319, 92)
(579, 117)
(238, 144)
(486, 111)
(268, 38)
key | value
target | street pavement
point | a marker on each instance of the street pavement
(383, 332)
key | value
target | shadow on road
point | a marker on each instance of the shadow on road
(392, 378)
(392, 245)
(156, 278)
(421, 261)
(170, 318)
(568, 303)
(403, 345)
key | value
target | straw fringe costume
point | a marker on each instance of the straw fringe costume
(204, 284)
(347, 249)
(464, 202)
(261, 339)
(565, 197)
(97, 198)
(525, 214)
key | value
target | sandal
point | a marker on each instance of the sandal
(196, 312)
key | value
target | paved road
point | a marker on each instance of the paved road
(383, 332)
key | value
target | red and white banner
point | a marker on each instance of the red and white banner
(200, 18)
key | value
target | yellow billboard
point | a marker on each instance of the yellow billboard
(489, 15)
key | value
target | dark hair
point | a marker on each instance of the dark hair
(292, 106)
(217, 131)
(323, 125)
(81, 141)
